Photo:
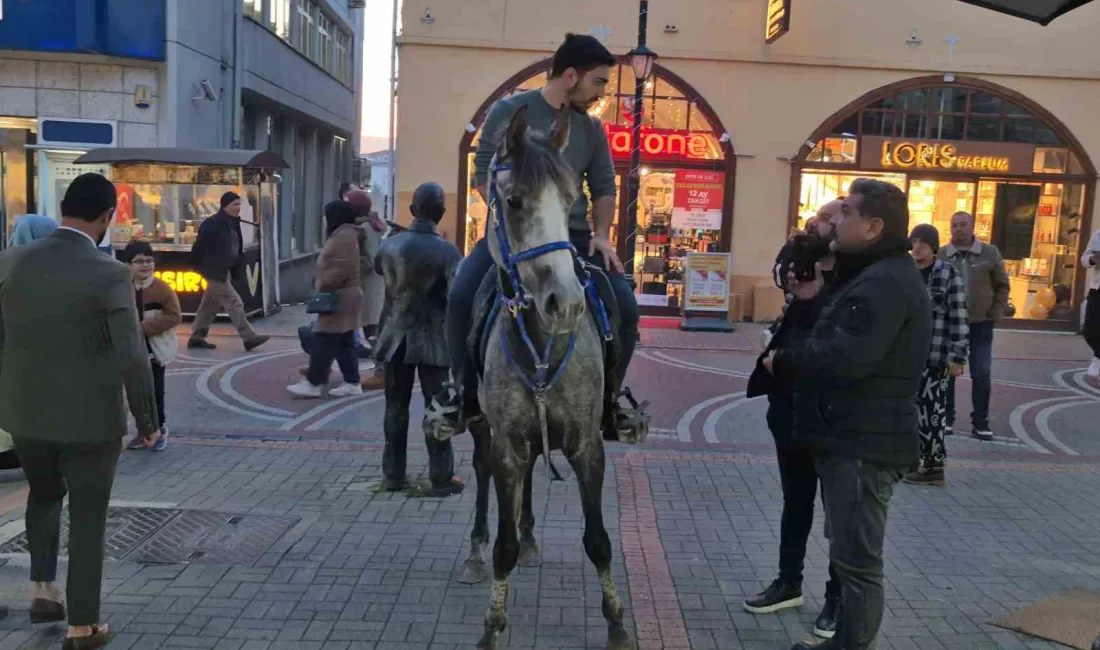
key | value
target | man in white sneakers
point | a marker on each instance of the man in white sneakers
(1091, 260)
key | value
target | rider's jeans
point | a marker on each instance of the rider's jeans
(460, 303)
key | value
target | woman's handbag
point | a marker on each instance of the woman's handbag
(323, 302)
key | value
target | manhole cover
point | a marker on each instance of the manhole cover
(202, 537)
(126, 528)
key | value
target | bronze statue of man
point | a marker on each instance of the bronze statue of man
(418, 266)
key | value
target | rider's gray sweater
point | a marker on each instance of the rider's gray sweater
(587, 152)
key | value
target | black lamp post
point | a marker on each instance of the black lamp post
(641, 60)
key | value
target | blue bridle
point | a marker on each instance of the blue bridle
(539, 383)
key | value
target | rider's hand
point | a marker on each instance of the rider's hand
(955, 369)
(610, 259)
(769, 362)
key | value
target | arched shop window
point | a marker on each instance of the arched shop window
(968, 146)
(681, 136)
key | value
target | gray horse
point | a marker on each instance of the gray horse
(531, 403)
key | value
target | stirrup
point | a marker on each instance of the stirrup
(443, 417)
(632, 425)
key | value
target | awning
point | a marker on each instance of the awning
(251, 159)
(1040, 11)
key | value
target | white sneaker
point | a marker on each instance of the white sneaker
(1094, 368)
(304, 389)
(346, 390)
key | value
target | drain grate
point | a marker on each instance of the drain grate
(203, 537)
(126, 528)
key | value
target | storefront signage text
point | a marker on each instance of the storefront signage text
(779, 20)
(926, 155)
(946, 156)
(661, 143)
(708, 282)
(183, 281)
(698, 199)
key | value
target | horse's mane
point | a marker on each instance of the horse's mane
(538, 164)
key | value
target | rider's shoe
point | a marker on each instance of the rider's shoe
(626, 424)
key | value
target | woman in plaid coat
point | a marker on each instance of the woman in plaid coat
(950, 342)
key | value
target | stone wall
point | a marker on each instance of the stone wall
(64, 89)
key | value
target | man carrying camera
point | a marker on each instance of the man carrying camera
(856, 377)
(799, 479)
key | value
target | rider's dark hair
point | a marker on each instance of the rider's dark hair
(882, 200)
(582, 53)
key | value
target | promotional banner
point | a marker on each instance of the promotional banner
(697, 202)
(708, 282)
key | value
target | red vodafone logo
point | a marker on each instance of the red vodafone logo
(662, 144)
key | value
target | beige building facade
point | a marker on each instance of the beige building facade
(962, 108)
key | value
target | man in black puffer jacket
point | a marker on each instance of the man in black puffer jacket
(855, 392)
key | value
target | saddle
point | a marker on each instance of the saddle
(486, 306)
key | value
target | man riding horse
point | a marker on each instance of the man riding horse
(578, 79)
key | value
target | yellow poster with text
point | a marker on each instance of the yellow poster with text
(708, 282)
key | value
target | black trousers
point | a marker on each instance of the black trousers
(1092, 322)
(328, 346)
(799, 478)
(399, 378)
(158, 391)
(86, 472)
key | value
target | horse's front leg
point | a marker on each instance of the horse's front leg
(529, 554)
(508, 477)
(588, 464)
(473, 570)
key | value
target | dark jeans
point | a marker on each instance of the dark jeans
(981, 372)
(1092, 322)
(400, 378)
(857, 497)
(328, 346)
(799, 478)
(461, 303)
(86, 472)
(158, 390)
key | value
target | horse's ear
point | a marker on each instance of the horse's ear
(517, 130)
(559, 135)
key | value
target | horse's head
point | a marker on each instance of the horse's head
(534, 189)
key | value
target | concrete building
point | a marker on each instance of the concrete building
(256, 74)
(962, 108)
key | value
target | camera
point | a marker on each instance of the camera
(799, 256)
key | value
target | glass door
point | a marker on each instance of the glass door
(935, 201)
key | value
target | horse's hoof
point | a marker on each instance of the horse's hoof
(472, 572)
(529, 555)
(490, 641)
(619, 639)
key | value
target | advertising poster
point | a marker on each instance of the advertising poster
(708, 282)
(698, 198)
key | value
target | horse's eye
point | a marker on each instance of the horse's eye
(515, 203)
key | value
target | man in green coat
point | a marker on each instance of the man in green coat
(71, 356)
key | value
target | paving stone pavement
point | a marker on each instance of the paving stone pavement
(693, 518)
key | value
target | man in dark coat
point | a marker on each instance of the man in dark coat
(216, 255)
(856, 378)
(418, 266)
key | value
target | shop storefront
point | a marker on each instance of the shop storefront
(968, 146)
(687, 176)
(164, 195)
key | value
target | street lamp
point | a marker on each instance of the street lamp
(641, 60)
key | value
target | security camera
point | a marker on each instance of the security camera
(206, 91)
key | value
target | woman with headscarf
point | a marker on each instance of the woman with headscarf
(339, 272)
(32, 227)
(29, 228)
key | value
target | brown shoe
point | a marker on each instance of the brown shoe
(374, 381)
(46, 611)
(97, 639)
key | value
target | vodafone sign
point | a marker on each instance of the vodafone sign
(663, 144)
